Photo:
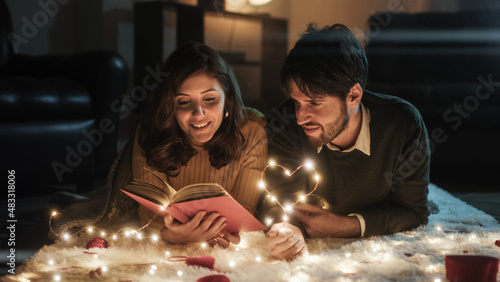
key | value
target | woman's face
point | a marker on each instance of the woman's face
(200, 107)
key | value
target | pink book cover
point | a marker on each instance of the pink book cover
(238, 219)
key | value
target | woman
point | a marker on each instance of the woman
(196, 130)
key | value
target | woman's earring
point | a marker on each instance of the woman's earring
(226, 114)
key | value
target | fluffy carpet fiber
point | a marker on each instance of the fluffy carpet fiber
(417, 255)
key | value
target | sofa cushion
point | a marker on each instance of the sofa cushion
(466, 105)
(463, 123)
(28, 98)
(433, 47)
(47, 152)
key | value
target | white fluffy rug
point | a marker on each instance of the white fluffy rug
(418, 255)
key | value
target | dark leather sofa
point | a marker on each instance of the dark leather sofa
(59, 115)
(448, 66)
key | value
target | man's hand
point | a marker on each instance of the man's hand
(198, 229)
(224, 239)
(320, 223)
(286, 241)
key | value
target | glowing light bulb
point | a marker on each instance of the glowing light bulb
(114, 237)
(232, 263)
(302, 197)
(285, 218)
(287, 172)
(90, 229)
(151, 271)
(139, 236)
(95, 256)
(154, 267)
(57, 278)
(104, 268)
(258, 259)
(51, 262)
(65, 236)
(103, 234)
(54, 213)
(154, 238)
(167, 253)
(203, 245)
(288, 207)
(162, 208)
(273, 198)
(262, 184)
(127, 233)
(308, 165)
(268, 221)
(316, 177)
(272, 163)
(348, 255)
(179, 273)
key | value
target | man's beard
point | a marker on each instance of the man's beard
(331, 130)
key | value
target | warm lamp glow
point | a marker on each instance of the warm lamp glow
(258, 2)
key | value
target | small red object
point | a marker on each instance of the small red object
(471, 268)
(97, 272)
(203, 261)
(97, 242)
(497, 242)
(214, 278)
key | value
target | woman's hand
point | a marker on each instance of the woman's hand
(198, 229)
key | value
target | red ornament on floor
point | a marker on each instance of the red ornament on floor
(214, 278)
(97, 242)
(203, 261)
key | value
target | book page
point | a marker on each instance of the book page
(198, 191)
(158, 195)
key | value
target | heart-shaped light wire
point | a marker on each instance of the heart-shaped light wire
(262, 184)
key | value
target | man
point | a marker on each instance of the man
(371, 151)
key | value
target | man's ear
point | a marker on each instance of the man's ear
(354, 96)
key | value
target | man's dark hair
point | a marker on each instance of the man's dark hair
(327, 61)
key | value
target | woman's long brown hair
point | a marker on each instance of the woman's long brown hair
(163, 141)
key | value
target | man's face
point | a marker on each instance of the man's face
(322, 118)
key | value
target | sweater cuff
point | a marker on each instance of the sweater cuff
(362, 223)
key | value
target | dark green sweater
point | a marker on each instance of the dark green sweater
(388, 188)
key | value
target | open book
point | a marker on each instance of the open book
(189, 200)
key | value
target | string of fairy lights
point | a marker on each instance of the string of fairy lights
(287, 207)
(139, 234)
(128, 232)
